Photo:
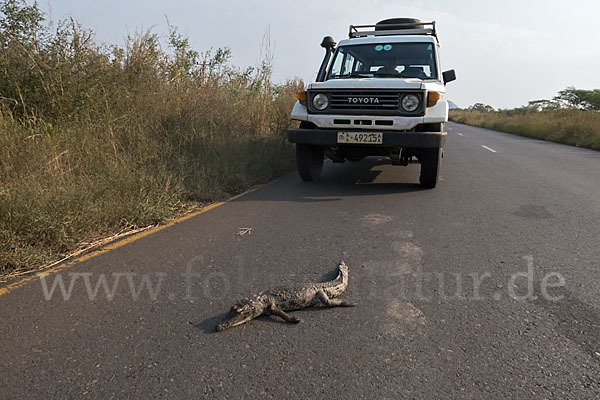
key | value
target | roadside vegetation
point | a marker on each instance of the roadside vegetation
(572, 117)
(99, 139)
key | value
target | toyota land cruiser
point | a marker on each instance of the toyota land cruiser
(379, 93)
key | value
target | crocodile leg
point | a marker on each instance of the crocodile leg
(324, 299)
(283, 315)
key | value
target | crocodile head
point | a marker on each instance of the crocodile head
(241, 313)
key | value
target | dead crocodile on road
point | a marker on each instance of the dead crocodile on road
(278, 301)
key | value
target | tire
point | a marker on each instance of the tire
(381, 25)
(309, 160)
(430, 167)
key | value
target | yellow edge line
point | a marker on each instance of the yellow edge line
(122, 242)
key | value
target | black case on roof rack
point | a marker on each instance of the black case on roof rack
(394, 26)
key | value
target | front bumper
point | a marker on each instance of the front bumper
(328, 137)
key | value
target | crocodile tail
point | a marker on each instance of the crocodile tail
(343, 274)
(339, 284)
(343, 268)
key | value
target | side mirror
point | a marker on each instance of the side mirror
(449, 76)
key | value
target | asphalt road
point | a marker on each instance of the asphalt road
(486, 287)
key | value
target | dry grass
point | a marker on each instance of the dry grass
(95, 140)
(568, 126)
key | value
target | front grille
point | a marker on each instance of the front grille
(373, 102)
(359, 101)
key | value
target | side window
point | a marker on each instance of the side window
(348, 64)
(337, 65)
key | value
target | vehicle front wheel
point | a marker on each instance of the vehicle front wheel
(310, 161)
(430, 167)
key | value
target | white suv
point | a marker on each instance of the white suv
(379, 93)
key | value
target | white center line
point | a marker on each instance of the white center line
(487, 148)
(459, 134)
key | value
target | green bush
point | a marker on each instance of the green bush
(98, 139)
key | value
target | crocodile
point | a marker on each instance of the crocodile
(279, 300)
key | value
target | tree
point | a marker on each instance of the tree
(21, 34)
(481, 107)
(579, 98)
(541, 105)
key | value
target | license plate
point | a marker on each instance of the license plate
(360, 137)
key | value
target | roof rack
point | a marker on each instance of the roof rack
(412, 28)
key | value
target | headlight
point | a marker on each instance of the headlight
(410, 102)
(320, 102)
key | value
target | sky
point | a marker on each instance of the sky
(505, 53)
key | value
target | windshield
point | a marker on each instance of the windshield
(384, 60)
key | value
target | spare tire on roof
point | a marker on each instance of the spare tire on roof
(381, 25)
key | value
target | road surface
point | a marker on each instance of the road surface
(485, 287)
